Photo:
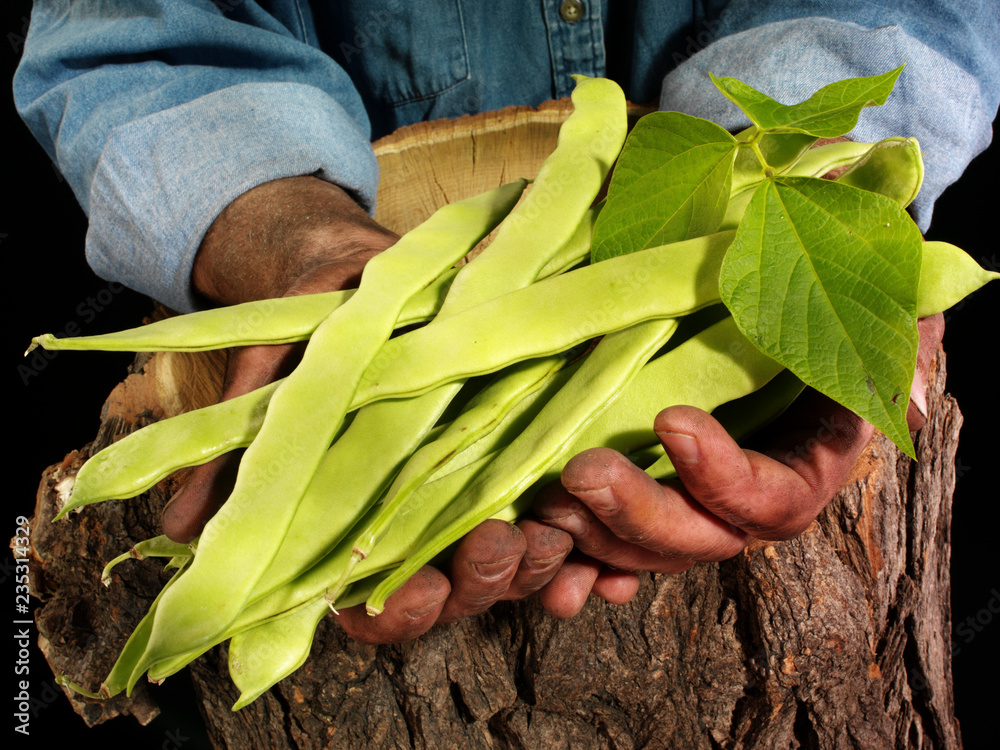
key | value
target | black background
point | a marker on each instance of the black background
(56, 407)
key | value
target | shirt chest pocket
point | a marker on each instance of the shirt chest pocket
(397, 54)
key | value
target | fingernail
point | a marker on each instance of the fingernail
(494, 570)
(573, 524)
(418, 613)
(543, 564)
(683, 448)
(602, 499)
(918, 392)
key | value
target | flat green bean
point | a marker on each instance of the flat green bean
(892, 167)
(282, 320)
(551, 316)
(134, 464)
(120, 676)
(569, 179)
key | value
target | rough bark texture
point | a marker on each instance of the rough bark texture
(833, 640)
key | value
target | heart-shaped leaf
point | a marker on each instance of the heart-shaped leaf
(823, 278)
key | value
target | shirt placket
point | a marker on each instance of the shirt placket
(576, 41)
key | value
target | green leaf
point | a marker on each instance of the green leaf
(671, 183)
(830, 112)
(823, 278)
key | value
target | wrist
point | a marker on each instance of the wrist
(289, 236)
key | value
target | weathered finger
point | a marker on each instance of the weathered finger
(644, 525)
(616, 586)
(566, 594)
(482, 568)
(593, 538)
(410, 612)
(931, 334)
(252, 367)
(546, 549)
(772, 496)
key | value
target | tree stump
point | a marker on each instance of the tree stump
(836, 639)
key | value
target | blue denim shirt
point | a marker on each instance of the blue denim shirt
(161, 112)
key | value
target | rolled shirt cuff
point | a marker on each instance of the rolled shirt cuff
(162, 179)
(935, 100)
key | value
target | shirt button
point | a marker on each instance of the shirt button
(571, 11)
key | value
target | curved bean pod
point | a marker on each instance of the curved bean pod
(132, 465)
(282, 320)
(589, 141)
(121, 675)
(892, 167)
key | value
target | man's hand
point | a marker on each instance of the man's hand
(621, 520)
(302, 235)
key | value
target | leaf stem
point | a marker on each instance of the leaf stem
(754, 144)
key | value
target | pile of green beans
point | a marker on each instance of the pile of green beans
(461, 390)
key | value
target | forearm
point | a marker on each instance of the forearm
(161, 115)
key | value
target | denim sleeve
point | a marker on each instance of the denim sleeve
(947, 96)
(159, 113)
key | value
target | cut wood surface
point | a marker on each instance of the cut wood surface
(836, 639)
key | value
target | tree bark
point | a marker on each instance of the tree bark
(836, 639)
